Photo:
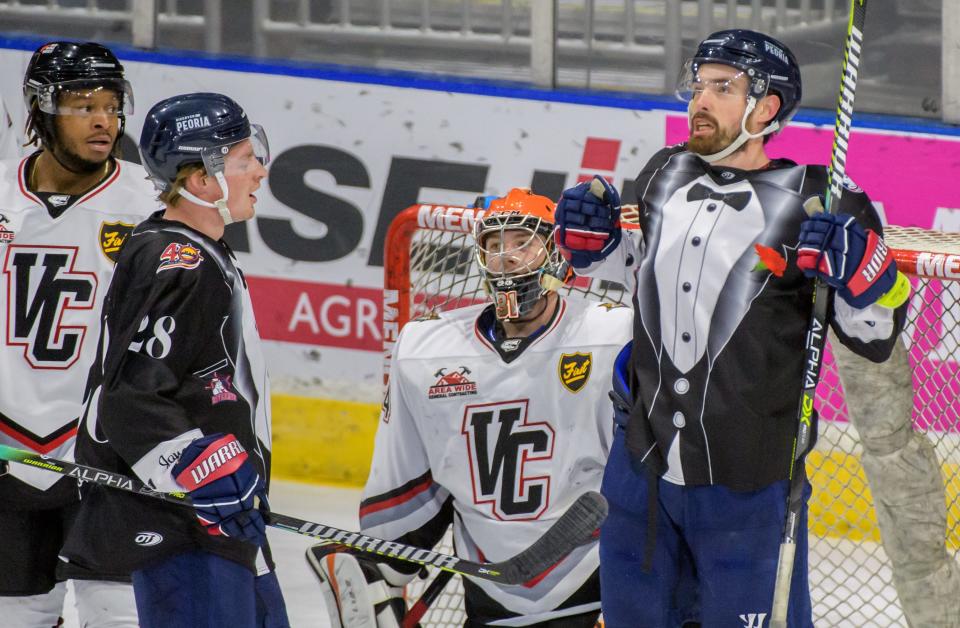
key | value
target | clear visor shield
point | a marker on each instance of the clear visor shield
(84, 98)
(723, 81)
(240, 156)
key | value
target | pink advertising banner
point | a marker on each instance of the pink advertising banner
(915, 181)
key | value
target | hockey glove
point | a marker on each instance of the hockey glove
(621, 396)
(357, 590)
(588, 222)
(223, 486)
(848, 257)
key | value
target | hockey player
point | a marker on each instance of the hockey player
(497, 418)
(723, 284)
(179, 395)
(67, 209)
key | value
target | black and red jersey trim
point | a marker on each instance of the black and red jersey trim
(397, 496)
(37, 443)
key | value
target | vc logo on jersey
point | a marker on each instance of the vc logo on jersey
(500, 442)
(112, 237)
(43, 287)
(574, 370)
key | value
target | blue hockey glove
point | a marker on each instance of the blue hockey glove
(848, 257)
(621, 396)
(223, 486)
(588, 222)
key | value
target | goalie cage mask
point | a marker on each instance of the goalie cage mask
(514, 280)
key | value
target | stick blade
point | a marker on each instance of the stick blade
(576, 527)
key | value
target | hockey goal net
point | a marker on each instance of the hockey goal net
(430, 266)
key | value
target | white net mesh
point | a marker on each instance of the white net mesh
(850, 577)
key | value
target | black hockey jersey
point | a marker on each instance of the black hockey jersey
(179, 358)
(722, 313)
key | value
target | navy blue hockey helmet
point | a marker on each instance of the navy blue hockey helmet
(768, 64)
(195, 128)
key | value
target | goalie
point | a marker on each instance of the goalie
(497, 418)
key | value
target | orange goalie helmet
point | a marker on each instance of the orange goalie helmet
(516, 252)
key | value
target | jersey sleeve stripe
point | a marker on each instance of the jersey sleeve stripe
(399, 496)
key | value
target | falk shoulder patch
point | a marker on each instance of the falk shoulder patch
(112, 236)
(574, 370)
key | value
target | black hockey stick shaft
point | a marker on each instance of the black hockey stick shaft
(577, 526)
(429, 596)
(817, 329)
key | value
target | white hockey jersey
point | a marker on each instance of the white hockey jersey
(514, 443)
(54, 272)
(9, 138)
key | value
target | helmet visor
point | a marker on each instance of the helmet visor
(84, 97)
(723, 81)
(220, 159)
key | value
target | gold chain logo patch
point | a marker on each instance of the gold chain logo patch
(574, 370)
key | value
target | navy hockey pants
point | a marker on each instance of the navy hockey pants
(201, 590)
(715, 554)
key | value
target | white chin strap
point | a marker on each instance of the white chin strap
(744, 134)
(220, 205)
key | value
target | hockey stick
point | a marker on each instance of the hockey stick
(816, 331)
(427, 598)
(574, 528)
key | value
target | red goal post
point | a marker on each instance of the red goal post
(429, 266)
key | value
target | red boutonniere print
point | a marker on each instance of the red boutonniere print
(770, 259)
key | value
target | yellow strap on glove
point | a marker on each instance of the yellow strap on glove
(897, 295)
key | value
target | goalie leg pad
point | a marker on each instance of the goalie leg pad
(905, 478)
(354, 590)
(105, 604)
(932, 600)
(34, 610)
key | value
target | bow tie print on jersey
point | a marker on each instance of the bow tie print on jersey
(736, 200)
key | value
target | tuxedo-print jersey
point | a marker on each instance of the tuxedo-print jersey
(507, 443)
(719, 328)
(55, 266)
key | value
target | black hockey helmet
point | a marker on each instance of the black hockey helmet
(768, 64)
(75, 66)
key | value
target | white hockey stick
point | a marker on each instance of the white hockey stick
(817, 330)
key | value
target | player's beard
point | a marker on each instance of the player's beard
(77, 164)
(713, 143)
